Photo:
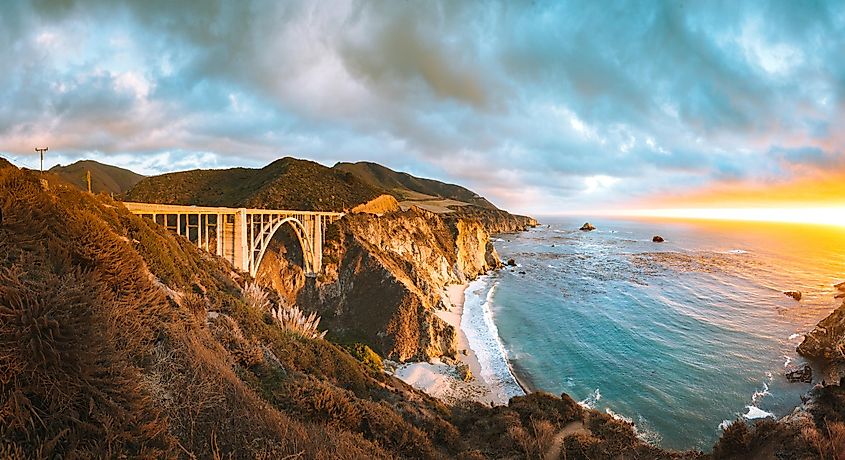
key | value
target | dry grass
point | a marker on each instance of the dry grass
(294, 320)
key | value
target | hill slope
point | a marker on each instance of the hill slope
(104, 178)
(287, 183)
(400, 184)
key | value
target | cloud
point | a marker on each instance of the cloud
(538, 105)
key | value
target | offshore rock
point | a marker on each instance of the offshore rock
(511, 263)
(794, 294)
(658, 239)
(587, 227)
(826, 340)
(803, 374)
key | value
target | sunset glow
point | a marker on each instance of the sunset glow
(806, 215)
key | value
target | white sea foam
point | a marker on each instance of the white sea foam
(725, 424)
(483, 337)
(618, 416)
(642, 429)
(788, 360)
(590, 401)
(755, 412)
(758, 395)
(736, 251)
(795, 336)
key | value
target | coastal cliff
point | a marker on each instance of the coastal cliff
(825, 344)
(123, 340)
(384, 268)
(384, 277)
(496, 220)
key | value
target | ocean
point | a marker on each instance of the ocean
(677, 337)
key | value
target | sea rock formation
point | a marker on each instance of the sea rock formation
(658, 239)
(826, 342)
(802, 374)
(794, 294)
(511, 263)
(587, 227)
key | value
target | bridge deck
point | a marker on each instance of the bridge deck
(153, 208)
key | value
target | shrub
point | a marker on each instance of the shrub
(295, 320)
(366, 356)
(734, 441)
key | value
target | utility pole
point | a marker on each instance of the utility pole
(88, 179)
(41, 151)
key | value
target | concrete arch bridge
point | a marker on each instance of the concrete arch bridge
(242, 235)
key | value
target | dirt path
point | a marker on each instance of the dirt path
(571, 428)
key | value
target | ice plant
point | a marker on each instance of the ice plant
(295, 320)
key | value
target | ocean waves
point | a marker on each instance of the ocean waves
(483, 337)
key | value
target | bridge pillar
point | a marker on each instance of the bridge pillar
(317, 244)
(218, 231)
(242, 243)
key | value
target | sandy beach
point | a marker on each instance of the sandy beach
(441, 380)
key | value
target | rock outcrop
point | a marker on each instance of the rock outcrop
(384, 277)
(587, 227)
(794, 294)
(802, 374)
(657, 239)
(495, 220)
(826, 342)
(382, 204)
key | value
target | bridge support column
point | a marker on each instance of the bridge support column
(218, 232)
(242, 242)
(317, 245)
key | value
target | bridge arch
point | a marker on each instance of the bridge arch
(260, 245)
(242, 235)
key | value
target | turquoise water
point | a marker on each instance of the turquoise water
(676, 337)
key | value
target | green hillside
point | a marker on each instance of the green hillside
(104, 178)
(287, 183)
(399, 184)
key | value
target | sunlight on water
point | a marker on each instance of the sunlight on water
(677, 336)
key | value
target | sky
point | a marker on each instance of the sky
(543, 107)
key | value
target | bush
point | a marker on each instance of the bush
(734, 442)
(366, 356)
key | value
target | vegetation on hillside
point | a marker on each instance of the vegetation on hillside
(400, 184)
(120, 339)
(104, 178)
(287, 183)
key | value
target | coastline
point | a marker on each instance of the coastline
(441, 380)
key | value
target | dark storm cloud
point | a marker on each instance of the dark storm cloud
(561, 103)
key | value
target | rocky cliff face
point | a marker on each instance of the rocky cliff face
(496, 220)
(826, 344)
(383, 278)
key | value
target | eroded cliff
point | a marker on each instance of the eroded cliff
(826, 345)
(384, 276)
